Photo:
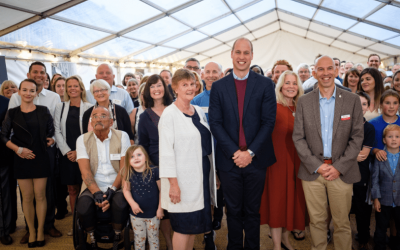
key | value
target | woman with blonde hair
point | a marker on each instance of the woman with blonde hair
(8, 88)
(68, 127)
(199, 84)
(283, 205)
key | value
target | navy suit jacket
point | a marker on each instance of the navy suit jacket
(259, 114)
(384, 185)
(4, 151)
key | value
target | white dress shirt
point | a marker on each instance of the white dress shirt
(105, 175)
(117, 96)
(45, 98)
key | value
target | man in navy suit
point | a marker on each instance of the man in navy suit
(242, 116)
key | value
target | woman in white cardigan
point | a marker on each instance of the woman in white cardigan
(187, 173)
(68, 127)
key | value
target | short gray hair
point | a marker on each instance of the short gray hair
(303, 66)
(133, 80)
(192, 59)
(359, 64)
(219, 65)
(100, 83)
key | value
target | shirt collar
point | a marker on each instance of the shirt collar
(108, 136)
(333, 95)
(114, 89)
(43, 92)
(393, 155)
(237, 78)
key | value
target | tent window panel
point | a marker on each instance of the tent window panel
(319, 38)
(372, 31)
(293, 19)
(169, 4)
(388, 15)
(10, 17)
(153, 53)
(50, 33)
(324, 30)
(266, 30)
(255, 10)
(354, 8)
(210, 43)
(395, 41)
(113, 15)
(185, 40)
(296, 8)
(118, 47)
(356, 40)
(220, 25)
(234, 4)
(232, 34)
(202, 12)
(345, 46)
(261, 21)
(334, 20)
(176, 57)
(217, 50)
(293, 29)
(37, 5)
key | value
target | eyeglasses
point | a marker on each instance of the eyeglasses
(98, 91)
(192, 68)
(102, 117)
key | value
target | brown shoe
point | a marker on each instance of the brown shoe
(53, 232)
(25, 239)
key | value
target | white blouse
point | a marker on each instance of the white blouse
(181, 158)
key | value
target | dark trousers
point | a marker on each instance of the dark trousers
(8, 201)
(362, 211)
(243, 188)
(382, 223)
(50, 193)
(61, 196)
(88, 211)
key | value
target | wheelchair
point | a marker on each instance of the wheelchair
(104, 233)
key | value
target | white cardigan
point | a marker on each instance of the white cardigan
(59, 126)
(181, 158)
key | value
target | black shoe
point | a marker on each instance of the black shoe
(285, 247)
(40, 243)
(209, 241)
(32, 244)
(117, 238)
(6, 240)
(61, 214)
(216, 225)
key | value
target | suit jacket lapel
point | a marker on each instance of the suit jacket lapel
(387, 164)
(315, 104)
(338, 109)
(251, 81)
(231, 89)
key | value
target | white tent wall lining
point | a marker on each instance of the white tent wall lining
(284, 45)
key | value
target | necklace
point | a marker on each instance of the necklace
(293, 112)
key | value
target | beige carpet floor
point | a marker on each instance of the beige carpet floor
(65, 242)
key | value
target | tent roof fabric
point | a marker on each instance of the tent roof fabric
(170, 31)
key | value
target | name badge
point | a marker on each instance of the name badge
(115, 157)
(205, 109)
(345, 117)
(116, 101)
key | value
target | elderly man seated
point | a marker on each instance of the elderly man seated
(100, 155)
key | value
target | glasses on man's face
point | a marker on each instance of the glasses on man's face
(101, 117)
(99, 91)
(192, 68)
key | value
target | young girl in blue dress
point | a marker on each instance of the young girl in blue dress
(141, 188)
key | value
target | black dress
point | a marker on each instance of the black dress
(37, 167)
(200, 221)
(69, 171)
(148, 134)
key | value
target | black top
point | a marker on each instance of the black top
(135, 101)
(73, 131)
(122, 118)
(369, 139)
(204, 132)
(148, 134)
(145, 192)
(5, 152)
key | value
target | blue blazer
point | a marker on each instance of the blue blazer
(385, 186)
(259, 115)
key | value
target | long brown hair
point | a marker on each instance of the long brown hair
(127, 170)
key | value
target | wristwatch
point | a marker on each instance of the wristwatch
(114, 188)
(251, 153)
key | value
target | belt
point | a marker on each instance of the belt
(328, 160)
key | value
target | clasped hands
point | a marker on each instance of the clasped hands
(242, 158)
(102, 200)
(329, 172)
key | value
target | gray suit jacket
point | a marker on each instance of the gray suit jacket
(385, 186)
(347, 135)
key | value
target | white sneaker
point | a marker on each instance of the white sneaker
(70, 232)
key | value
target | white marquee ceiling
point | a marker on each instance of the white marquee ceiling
(170, 31)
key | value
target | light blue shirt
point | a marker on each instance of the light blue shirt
(237, 78)
(393, 159)
(202, 100)
(327, 112)
(117, 96)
